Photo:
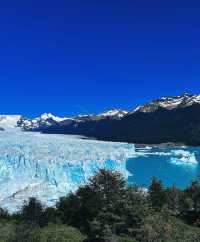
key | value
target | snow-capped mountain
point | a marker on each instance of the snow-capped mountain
(47, 119)
(168, 119)
(169, 103)
(118, 113)
(109, 114)
(37, 124)
(112, 113)
(50, 116)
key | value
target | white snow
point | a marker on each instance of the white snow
(47, 116)
(114, 112)
(47, 119)
(9, 122)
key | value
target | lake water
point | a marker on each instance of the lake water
(177, 165)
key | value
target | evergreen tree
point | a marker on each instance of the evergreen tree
(194, 192)
(32, 212)
(174, 197)
(157, 194)
(50, 215)
(94, 207)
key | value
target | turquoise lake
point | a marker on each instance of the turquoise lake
(177, 165)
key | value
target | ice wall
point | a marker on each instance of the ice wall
(49, 166)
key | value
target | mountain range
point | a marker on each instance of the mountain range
(168, 119)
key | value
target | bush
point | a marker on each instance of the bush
(25, 233)
(127, 239)
(160, 227)
(60, 233)
(7, 230)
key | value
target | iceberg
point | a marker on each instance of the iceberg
(183, 157)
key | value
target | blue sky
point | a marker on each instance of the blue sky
(69, 57)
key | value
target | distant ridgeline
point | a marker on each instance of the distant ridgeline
(169, 119)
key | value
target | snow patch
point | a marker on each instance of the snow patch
(114, 112)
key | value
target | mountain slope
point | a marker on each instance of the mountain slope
(163, 125)
(46, 121)
(169, 103)
(169, 119)
(39, 124)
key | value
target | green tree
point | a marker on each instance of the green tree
(174, 198)
(193, 191)
(32, 212)
(134, 209)
(157, 194)
(109, 193)
(107, 186)
(71, 210)
(94, 207)
(50, 215)
(191, 203)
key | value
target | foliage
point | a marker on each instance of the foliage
(32, 212)
(106, 210)
(158, 195)
(25, 233)
(126, 239)
(160, 228)
(174, 198)
(7, 229)
(60, 233)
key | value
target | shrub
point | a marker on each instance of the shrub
(60, 233)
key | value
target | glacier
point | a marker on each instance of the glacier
(49, 166)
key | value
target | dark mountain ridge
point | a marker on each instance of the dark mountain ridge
(169, 119)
